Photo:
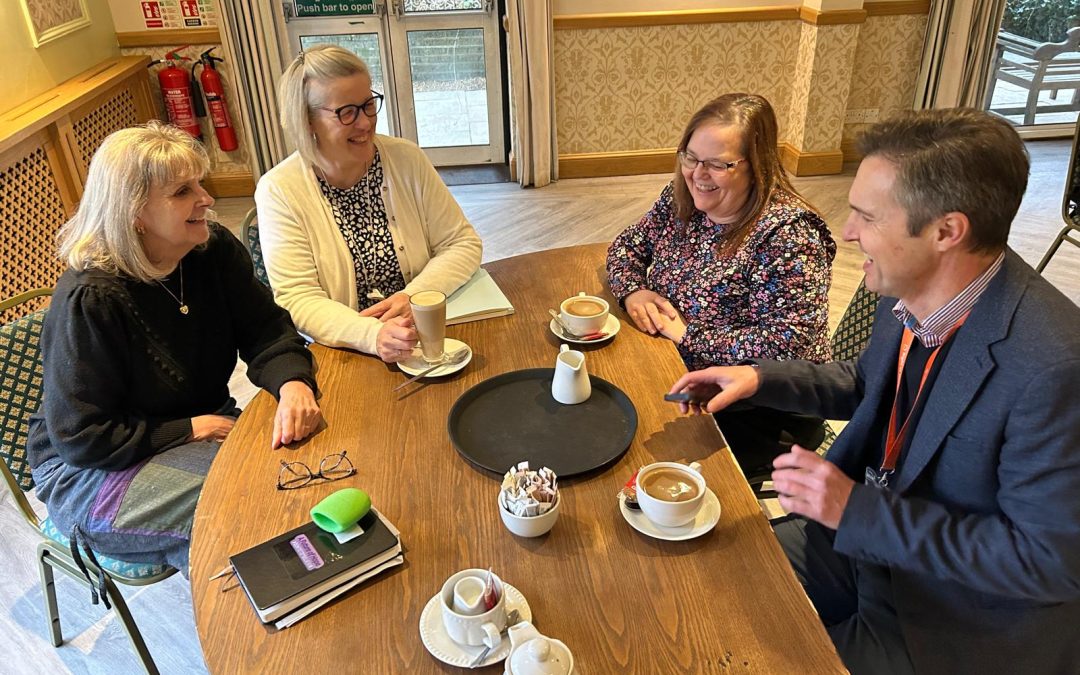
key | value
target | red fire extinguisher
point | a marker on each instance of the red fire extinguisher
(215, 100)
(176, 90)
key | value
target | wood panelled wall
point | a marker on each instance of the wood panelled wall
(45, 149)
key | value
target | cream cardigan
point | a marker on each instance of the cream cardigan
(308, 262)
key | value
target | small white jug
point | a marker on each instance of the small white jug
(571, 383)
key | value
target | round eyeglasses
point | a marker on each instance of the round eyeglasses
(347, 114)
(714, 165)
(295, 475)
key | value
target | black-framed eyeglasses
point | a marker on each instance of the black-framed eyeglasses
(295, 475)
(347, 114)
(716, 166)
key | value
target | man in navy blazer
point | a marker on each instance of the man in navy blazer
(942, 532)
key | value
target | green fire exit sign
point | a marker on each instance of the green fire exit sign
(333, 7)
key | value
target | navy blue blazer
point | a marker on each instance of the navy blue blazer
(981, 527)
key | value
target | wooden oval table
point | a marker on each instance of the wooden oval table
(623, 602)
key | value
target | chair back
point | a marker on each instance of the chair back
(250, 231)
(1070, 202)
(21, 376)
(853, 331)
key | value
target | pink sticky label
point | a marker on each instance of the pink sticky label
(306, 552)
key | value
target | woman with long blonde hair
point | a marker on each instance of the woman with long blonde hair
(138, 346)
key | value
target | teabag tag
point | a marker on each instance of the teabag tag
(491, 597)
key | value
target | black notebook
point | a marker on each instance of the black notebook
(296, 567)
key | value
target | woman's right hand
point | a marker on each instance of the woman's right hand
(396, 339)
(649, 309)
(211, 427)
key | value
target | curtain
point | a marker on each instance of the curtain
(958, 53)
(250, 35)
(530, 40)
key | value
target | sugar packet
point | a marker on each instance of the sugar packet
(527, 492)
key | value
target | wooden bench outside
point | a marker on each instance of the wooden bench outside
(1037, 67)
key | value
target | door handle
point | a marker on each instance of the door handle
(287, 10)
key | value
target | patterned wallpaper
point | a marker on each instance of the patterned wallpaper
(220, 162)
(886, 66)
(820, 88)
(622, 89)
(625, 89)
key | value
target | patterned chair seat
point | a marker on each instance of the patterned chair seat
(21, 379)
(117, 568)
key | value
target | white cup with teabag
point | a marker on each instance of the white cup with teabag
(468, 628)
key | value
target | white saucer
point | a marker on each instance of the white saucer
(439, 644)
(706, 519)
(611, 327)
(416, 363)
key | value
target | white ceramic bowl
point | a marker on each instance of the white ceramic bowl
(529, 526)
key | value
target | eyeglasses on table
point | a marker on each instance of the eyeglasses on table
(294, 475)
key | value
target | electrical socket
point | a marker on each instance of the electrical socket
(861, 115)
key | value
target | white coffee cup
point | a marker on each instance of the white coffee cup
(473, 629)
(671, 513)
(578, 315)
(429, 315)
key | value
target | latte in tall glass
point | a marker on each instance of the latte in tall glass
(429, 315)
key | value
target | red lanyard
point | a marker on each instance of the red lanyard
(895, 439)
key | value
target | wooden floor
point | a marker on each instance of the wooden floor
(511, 221)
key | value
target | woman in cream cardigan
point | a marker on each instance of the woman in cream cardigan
(353, 223)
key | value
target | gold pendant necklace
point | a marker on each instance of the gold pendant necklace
(180, 300)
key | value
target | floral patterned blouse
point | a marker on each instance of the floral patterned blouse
(768, 299)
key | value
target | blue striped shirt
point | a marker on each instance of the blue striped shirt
(935, 328)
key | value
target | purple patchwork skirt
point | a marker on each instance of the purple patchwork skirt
(141, 514)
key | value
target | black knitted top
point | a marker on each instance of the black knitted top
(125, 370)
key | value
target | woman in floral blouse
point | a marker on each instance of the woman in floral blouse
(731, 264)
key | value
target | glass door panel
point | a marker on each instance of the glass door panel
(1035, 76)
(449, 86)
(447, 66)
(416, 6)
(438, 64)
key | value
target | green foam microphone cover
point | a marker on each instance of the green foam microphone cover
(341, 510)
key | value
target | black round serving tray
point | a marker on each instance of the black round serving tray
(513, 417)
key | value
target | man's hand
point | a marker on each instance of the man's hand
(396, 339)
(394, 306)
(297, 414)
(211, 427)
(716, 388)
(811, 486)
(648, 309)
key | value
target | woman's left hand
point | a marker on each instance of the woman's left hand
(298, 414)
(394, 306)
(672, 329)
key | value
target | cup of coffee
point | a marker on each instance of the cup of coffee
(429, 315)
(670, 494)
(584, 314)
(465, 627)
